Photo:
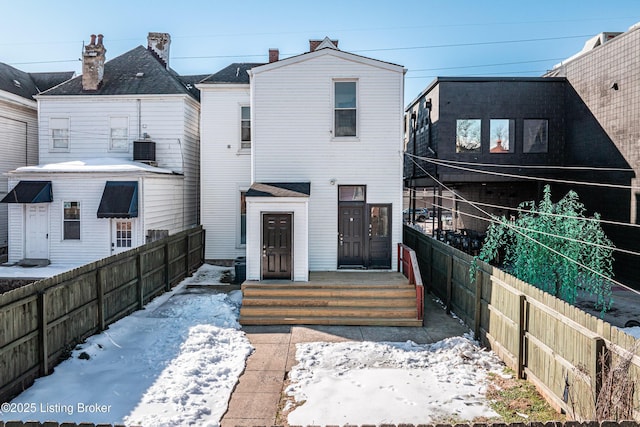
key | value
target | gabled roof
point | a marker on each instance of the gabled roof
(234, 73)
(136, 72)
(327, 47)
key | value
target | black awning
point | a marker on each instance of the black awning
(279, 189)
(30, 192)
(119, 200)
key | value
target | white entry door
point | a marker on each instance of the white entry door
(37, 231)
(121, 235)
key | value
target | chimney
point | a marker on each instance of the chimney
(93, 64)
(158, 44)
(274, 55)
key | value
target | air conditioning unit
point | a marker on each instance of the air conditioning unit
(144, 151)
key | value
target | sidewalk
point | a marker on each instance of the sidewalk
(254, 402)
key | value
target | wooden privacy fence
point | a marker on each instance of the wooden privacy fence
(41, 322)
(556, 346)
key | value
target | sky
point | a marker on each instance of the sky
(429, 38)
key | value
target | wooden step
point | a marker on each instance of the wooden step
(379, 304)
(329, 302)
(353, 321)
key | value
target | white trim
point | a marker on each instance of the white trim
(238, 222)
(50, 130)
(17, 99)
(110, 148)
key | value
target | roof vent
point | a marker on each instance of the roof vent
(139, 74)
(17, 83)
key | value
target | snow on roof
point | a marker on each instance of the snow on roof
(103, 164)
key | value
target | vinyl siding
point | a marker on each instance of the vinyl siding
(162, 118)
(225, 170)
(158, 194)
(191, 150)
(293, 122)
(18, 147)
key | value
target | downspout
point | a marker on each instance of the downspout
(139, 102)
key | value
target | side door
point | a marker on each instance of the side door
(37, 231)
(121, 235)
(277, 246)
(379, 236)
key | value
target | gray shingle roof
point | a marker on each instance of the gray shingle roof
(45, 81)
(17, 82)
(122, 77)
(234, 73)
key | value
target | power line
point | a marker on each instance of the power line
(603, 221)
(485, 65)
(557, 236)
(597, 273)
(526, 177)
(587, 168)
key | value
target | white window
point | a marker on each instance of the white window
(245, 127)
(345, 109)
(71, 226)
(59, 132)
(119, 135)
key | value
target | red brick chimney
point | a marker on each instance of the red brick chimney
(93, 59)
(274, 55)
(158, 44)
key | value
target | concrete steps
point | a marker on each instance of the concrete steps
(327, 304)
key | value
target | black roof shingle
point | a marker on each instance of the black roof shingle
(234, 73)
(136, 72)
(26, 84)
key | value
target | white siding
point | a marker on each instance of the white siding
(158, 208)
(293, 121)
(225, 169)
(163, 118)
(299, 208)
(191, 153)
(18, 147)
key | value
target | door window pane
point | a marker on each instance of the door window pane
(379, 224)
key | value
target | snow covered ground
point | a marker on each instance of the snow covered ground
(177, 361)
(376, 383)
(174, 363)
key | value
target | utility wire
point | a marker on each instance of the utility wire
(603, 221)
(544, 233)
(588, 168)
(526, 177)
(597, 273)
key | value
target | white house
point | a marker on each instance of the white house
(323, 179)
(118, 159)
(19, 126)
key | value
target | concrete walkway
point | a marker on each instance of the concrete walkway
(255, 400)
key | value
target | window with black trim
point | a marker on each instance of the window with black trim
(535, 136)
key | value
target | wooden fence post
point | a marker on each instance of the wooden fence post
(167, 279)
(139, 281)
(597, 350)
(203, 235)
(42, 333)
(100, 291)
(449, 284)
(522, 300)
(187, 251)
(477, 318)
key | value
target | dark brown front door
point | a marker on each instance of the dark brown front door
(276, 246)
(379, 236)
(351, 235)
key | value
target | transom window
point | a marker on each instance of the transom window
(245, 127)
(119, 136)
(59, 133)
(345, 108)
(352, 193)
(71, 227)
